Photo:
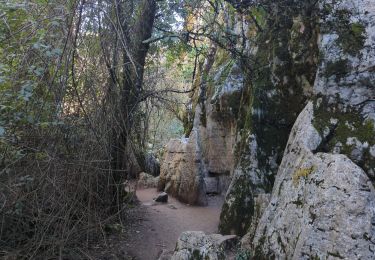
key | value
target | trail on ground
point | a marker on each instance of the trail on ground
(159, 225)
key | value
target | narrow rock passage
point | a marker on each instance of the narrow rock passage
(160, 225)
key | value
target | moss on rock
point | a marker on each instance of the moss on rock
(338, 68)
(338, 126)
(352, 38)
(238, 207)
(285, 65)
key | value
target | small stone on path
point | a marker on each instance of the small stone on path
(162, 197)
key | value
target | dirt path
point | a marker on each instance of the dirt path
(159, 225)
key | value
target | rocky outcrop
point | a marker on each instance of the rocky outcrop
(197, 245)
(282, 67)
(181, 171)
(344, 111)
(323, 205)
(203, 162)
(317, 57)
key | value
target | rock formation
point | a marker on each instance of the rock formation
(302, 133)
(281, 69)
(197, 245)
(181, 171)
(203, 162)
(322, 202)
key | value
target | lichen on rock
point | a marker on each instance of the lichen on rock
(279, 81)
(330, 213)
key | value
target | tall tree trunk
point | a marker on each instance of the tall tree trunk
(134, 59)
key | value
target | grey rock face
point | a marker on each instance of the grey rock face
(284, 71)
(344, 107)
(197, 245)
(345, 110)
(322, 205)
(347, 43)
(212, 185)
(261, 202)
(152, 164)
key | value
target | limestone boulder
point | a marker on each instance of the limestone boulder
(219, 132)
(322, 205)
(197, 245)
(285, 55)
(182, 172)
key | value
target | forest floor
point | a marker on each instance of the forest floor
(152, 228)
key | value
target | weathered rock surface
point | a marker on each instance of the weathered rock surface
(343, 94)
(197, 245)
(344, 113)
(219, 131)
(283, 57)
(321, 170)
(261, 202)
(322, 205)
(202, 163)
(146, 180)
(181, 171)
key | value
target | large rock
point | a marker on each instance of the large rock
(341, 85)
(282, 58)
(203, 163)
(322, 205)
(344, 113)
(197, 245)
(218, 132)
(182, 173)
(146, 180)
